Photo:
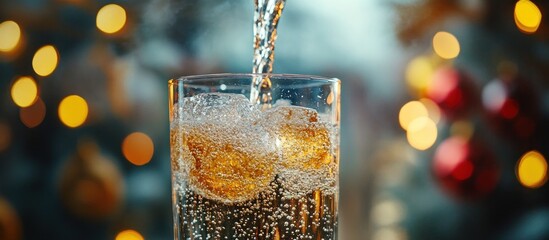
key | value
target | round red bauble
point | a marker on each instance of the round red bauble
(465, 169)
(512, 108)
(454, 92)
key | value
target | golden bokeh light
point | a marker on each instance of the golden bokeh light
(422, 133)
(432, 109)
(24, 91)
(10, 34)
(138, 148)
(129, 235)
(10, 221)
(45, 60)
(330, 98)
(73, 111)
(419, 73)
(532, 170)
(111, 18)
(527, 16)
(410, 111)
(446, 45)
(33, 115)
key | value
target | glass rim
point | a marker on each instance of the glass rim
(217, 76)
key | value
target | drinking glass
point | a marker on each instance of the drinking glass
(243, 170)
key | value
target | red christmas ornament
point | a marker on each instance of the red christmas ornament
(512, 108)
(454, 92)
(465, 169)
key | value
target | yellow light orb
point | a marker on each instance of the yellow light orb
(330, 98)
(532, 170)
(527, 16)
(422, 133)
(24, 91)
(73, 111)
(419, 73)
(138, 148)
(45, 60)
(33, 115)
(446, 45)
(10, 34)
(129, 235)
(410, 111)
(111, 18)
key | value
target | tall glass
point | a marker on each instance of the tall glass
(254, 171)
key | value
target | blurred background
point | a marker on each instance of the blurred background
(445, 111)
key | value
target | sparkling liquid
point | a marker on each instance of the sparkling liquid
(270, 216)
(266, 16)
(242, 173)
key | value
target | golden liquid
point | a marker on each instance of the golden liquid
(235, 180)
(270, 216)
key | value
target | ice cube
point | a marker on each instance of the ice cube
(219, 107)
(304, 141)
(228, 162)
